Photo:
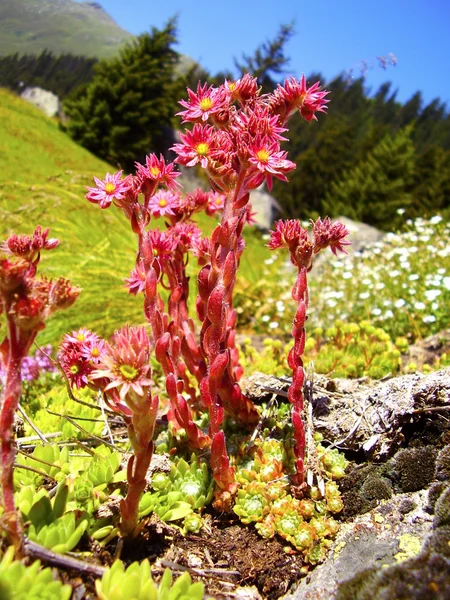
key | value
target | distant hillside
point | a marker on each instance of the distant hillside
(62, 26)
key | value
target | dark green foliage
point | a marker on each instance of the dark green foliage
(368, 157)
(374, 189)
(58, 74)
(127, 109)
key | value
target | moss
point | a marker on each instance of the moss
(406, 506)
(434, 494)
(352, 588)
(426, 577)
(442, 510)
(362, 489)
(376, 488)
(413, 469)
(439, 542)
(443, 464)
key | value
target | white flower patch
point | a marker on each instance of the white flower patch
(432, 294)
(429, 319)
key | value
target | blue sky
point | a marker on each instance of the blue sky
(331, 36)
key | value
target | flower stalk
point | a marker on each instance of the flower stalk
(291, 235)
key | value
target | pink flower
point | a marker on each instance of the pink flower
(163, 203)
(206, 102)
(162, 243)
(29, 247)
(257, 121)
(126, 363)
(186, 234)
(157, 172)
(269, 160)
(243, 89)
(78, 354)
(286, 235)
(296, 95)
(108, 189)
(136, 281)
(290, 234)
(196, 147)
(330, 234)
(216, 202)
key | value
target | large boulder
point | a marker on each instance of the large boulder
(46, 101)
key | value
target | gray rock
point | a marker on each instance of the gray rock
(46, 101)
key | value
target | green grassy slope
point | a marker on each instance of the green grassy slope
(43, 178)
(30, 26)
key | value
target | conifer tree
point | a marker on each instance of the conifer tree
(127, 109)
(374, 189)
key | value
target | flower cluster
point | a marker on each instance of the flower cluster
(26, 302)
(237, 130)
(79, 354)
(236, 134)
(121, 370)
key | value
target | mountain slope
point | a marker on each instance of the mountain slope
(30, 26)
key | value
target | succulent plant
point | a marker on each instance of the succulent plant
(51, 526)
(136, 583)
(18, 582)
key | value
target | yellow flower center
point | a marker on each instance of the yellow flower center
(232, 86)
(128, 372)
(155, 171)
(74, 369)
(218, 201)
(95, 352)
(81, 337)
(110, 188)
(202, 149)
(162, 203)
(263, 155)
(205, 103)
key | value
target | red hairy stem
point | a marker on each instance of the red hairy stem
(291, 235)
(219, 388)
(12, 389)
(140, 432)
(295, 361)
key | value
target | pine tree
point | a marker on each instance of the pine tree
(374, 189)
(127, 109)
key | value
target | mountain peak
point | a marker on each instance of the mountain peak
(61, 26)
